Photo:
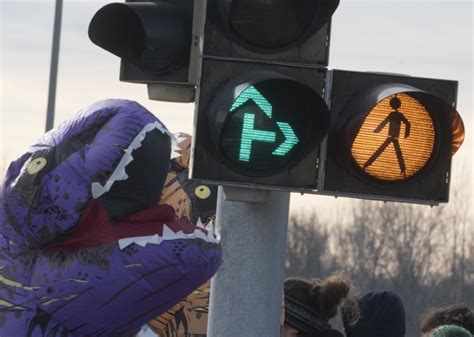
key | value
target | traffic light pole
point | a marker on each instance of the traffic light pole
(53, 74)
(247, 291)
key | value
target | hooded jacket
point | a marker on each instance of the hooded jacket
(382, 315)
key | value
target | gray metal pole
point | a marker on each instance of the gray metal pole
(246, 292)
(53, 74)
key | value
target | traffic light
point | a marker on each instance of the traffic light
(392, 137)
(159, 43)
(260, 110)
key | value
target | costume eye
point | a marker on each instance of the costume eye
(202, 192)
(36, 165)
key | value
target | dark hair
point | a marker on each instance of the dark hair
(457, 314)
(322, 296)
(350, 315)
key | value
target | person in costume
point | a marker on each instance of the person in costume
(195, 202)
(85, 247)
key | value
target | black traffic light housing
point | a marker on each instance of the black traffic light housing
(216, 161)
(247, 47)
(281, 31)
(350, 153)
(159, 43)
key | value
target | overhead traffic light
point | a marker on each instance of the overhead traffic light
(159, 43)
(260, 111)
(392, 137)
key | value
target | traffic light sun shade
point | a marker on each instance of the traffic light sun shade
(155, 37)
(396, 139)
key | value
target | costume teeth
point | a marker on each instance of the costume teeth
(211, 228)
(200, 224)
(176, 140)
(97, 189)
(175, 150)
(168, 235)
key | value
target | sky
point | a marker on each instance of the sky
(419, 38)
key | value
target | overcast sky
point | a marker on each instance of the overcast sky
(419, 38)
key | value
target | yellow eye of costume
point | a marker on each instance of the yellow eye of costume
(202, 192)
(36, 165)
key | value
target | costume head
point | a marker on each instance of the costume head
(85, 249)
(191, 199)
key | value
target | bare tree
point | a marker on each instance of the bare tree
(308, 252)
(362, 244)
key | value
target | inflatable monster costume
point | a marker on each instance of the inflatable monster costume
(85, 249)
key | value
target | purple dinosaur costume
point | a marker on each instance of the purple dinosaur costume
(85, 249)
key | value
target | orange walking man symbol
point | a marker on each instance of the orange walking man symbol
(394, 119)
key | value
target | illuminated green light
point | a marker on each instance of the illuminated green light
(290, 141)
(253, 94)
(249, 135)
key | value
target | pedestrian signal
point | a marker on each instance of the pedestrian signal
(396, 139)
(392, 138)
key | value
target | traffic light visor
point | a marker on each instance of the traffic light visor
(154, 36)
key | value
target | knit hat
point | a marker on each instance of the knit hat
(450, 331)
(382, 315)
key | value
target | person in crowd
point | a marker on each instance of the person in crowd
(310, 304)
(382, 314)
(456, 314)
(450, 331)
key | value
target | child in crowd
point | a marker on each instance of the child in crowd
(450, 331)
(457, 314)
(382, 314)
(309, 305)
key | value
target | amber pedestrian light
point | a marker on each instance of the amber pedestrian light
(401, 133)
(396, 139)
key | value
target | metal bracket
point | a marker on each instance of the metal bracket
(241, 194)
(171, 92)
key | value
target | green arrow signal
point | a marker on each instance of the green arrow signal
(253, 94)
(290, 139)
(249, 134)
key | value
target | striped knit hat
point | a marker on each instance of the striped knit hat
(450, 331)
